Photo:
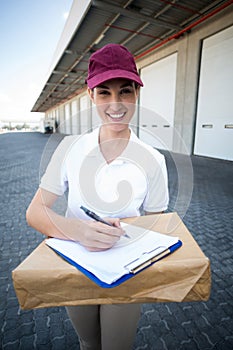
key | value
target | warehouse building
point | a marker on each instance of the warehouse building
(184, 53)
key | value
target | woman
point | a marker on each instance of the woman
(91, 167)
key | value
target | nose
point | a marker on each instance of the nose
(115, 106)
(115, 102)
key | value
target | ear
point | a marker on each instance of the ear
(91, 94)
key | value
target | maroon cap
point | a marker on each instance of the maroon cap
(109, 62)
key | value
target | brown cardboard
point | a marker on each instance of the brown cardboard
(44, 279)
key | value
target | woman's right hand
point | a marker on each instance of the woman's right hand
(93, 235)
(96, 236)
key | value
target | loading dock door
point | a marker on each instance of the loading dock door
(84, 114)
(157, 103)
(74, 116)
(214, 125)
(67, 119)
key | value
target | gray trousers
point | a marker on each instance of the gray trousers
(105, 327)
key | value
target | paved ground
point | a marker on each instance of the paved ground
(171, 326)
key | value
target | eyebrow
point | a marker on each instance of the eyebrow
(122, 86)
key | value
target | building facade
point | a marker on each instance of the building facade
(186, 104)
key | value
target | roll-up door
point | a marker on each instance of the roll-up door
(214, 124)
(84, 114)
(157, 102)
(74, 115)
(67, 119)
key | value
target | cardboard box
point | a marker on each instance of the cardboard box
(44, 279)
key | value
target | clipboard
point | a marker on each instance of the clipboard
(127, 275)
(124, 260)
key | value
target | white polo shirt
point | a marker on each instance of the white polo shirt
(136, 179)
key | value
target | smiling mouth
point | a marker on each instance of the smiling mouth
(116, 116)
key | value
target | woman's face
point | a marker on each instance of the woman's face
(115, 101)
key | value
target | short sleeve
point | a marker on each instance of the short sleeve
(157, 197)
(55, 178)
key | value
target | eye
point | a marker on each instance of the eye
(103, 92)
(126, 91)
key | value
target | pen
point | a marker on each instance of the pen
(96, 217)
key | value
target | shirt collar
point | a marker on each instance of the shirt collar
(95, 149)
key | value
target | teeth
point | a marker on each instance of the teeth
(115, 116)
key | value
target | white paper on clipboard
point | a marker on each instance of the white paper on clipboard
(111, 264)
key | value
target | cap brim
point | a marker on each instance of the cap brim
(112, 74)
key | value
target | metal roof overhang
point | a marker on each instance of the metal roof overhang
(140, 25)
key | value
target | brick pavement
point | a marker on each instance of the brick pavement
(163, 326)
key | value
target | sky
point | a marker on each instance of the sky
(29, 34)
